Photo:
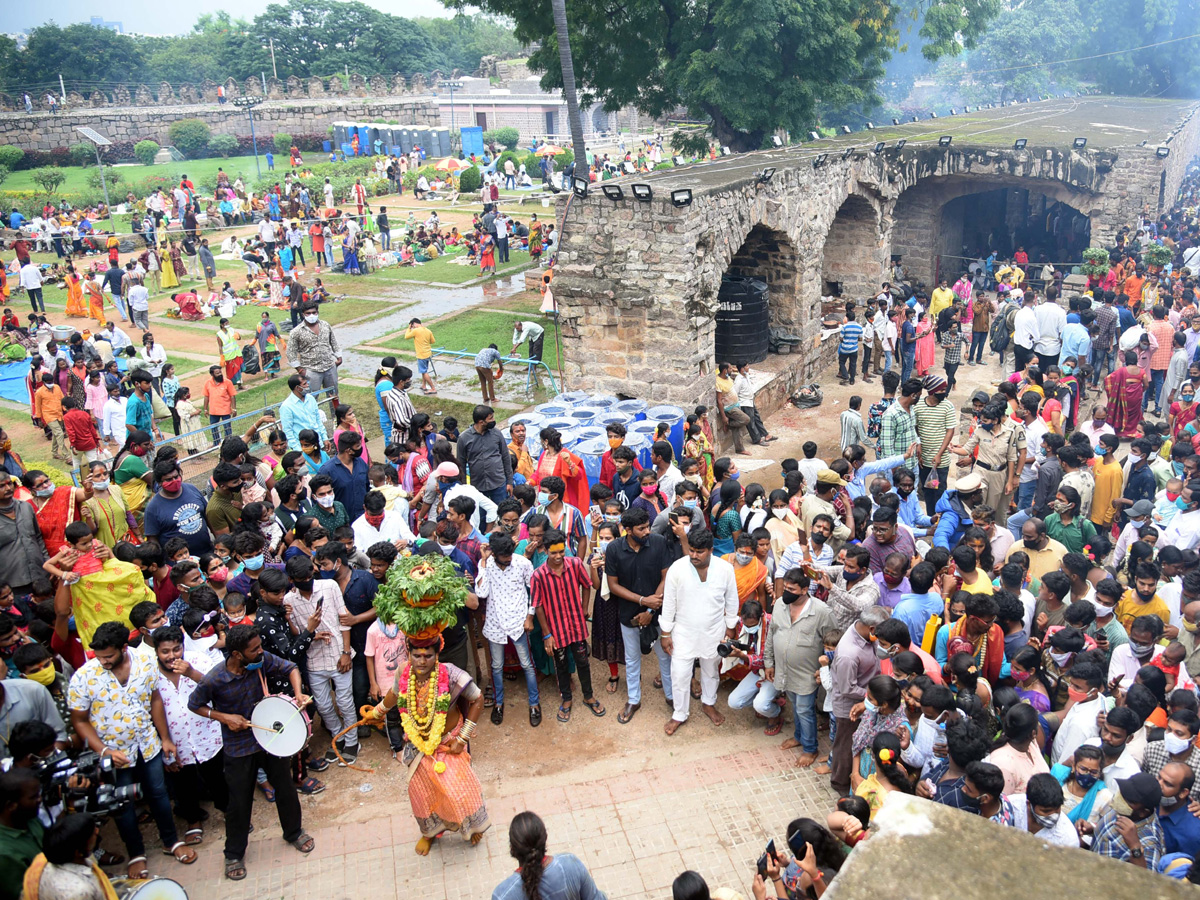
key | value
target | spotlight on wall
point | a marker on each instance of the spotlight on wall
(845, 129)
(580, 187)
(813, 136)
(870, 126)
(776, 141)
(848, 152)
(642, 191)
(914, 118)
(966, 109)
(1019, 143)
(820, 160)
(681, 198)
(900, 144)
(766, 174)
(944, 140)
(1079, 143)
(953, 111)
(1164, 152)
(613, 191)
(895, 121)
(879, 147)
(725, 151)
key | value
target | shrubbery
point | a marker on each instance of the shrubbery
(506, 137)
(283, 143)
(189, 136)
(145, 151)
(470, 180)
(10, 157)
(223, 145)
(82, 154)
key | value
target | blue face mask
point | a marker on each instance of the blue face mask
(689, 504)
(735, 475)
(254, 666)
(1100, 449)
(1177, 468)
(1181, 503)
(254, 562)
(543, 497)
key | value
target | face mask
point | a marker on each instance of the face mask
(1173, 743)
(743, 558)
(101, 485)
(852, 576)
(1120, 805)
(1180, 503)
(789, 597)
(446, 549)
(868, 705)
(1190, 626)
(649, 489)
(1085, 780)
(1067, 370)
(543, 497)
(818, 539)
(892, 580)
(138, 451)
(304, 585)
(746, 629)
(327, 574)
(253, 562)
(1111, 749)
(254, 666)
(779, 513)
(614, 443)
(1141, 651)
(45, 492)
(1020, 676)
(1188, 398)
(602, 545)
(1031, 545)
(690, 504)
(1078, 696)
(735, 475)
(1060, 506)
(45, 677)
(311, 318)
(1060, 659)
(1169, 802)
(1046, 822)
(880, 653)
(1100, 449)
(1134, 459)
(219, 575)
(325, 502)
(1177, 468)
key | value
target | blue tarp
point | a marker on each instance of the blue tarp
(12, 381)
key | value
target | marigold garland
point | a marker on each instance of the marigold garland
(425, 731)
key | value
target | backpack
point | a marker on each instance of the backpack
(999, 337)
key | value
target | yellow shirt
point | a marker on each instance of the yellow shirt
(1129, 608)
(1040, 561)
(941, 299)
(422, 339)
(1109, 483)
(982, 585)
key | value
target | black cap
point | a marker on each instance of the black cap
(1142, 789)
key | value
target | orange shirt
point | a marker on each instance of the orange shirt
(47, 403)
(1133, 288)
(1164, 333)
(220, 397)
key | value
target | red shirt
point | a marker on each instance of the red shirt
(608, 469)
(558, 596)
(81, 430)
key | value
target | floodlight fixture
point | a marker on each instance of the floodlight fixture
(642, 192)
(870, 126)
(914, 118)
(900, 144)
(766, 174)
(848, 152)
(1079, 143)
(1164, 152)
(813, 136)
(681, 197)
(944, 140)
(845, 129)
(895, 121)
(1019, 143)
(879, 147)
(820, 160)
(580, 187)
(776, 141)
(933, 115)
(613, 192)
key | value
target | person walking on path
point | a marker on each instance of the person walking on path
(422, 339)
(314, 352)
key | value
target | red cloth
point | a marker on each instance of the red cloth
(577, 484)
(71, 651)
(81, 430)
(608, 468)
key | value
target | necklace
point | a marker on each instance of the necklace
(424, 727)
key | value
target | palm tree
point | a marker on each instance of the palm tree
(568, 77)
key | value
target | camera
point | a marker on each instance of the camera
(102, 794)
(727, 647)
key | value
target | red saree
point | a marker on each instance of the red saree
(1124, 401)
(54, 517)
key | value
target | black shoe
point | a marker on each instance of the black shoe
(497, 713)
(535, 716)
(364, 731)
(331, 755)
(349, 756)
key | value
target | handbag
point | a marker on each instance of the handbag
(158, 406)
(647, 635)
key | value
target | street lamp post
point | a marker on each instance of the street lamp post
(99, 140)
(452, 86)
(248, 104)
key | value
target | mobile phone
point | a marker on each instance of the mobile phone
(771, 850)
(762, 867)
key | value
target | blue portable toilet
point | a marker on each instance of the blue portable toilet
(591, 451)
(364, 140)
(404, 138)
(635, 409)
(472, 141)
(673, 416)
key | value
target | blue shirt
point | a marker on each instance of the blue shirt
(1125, 319)
(349, 486)
(1181, 831)
(359, 596)
(1075, 341)
(851, 336)
(181, 517)
(566, 878)
(16, 220)
(140, 414)
(911, 512)
(1140, 485)
(295, 415)
(385, 421)
(914, 611)
(907, 330)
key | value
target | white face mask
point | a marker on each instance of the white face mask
(1173, 743)
(325, 502)
(1061, 659)
(311, 318)
(446, 549)
(779, 513)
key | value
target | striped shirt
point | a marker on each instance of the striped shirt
(558, 597)
(932, 423)
(952, 341)
(851, 335)
(897, 432)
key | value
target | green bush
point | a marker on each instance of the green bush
(283, 143)
(470, 180)
(145, 151)
(4, 171)
(112, 178)
(507, 137)
(1157, 255)
(189, 136)
(11, 157)
(504, 157)
(223, 145)
(82, 154)
(665, 164)
(533, 164)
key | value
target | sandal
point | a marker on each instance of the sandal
(235, 869)
(304, 843)
(488, 699)
(196, 833)
(268, 791)
(311, 786)
(772, 730)
(188, 857)
(612, 685)
(658, 682)
(106, 858)
(137, 868)
(564, 714)
(594, 705)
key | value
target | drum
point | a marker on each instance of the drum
(280, 726)
(154, 888)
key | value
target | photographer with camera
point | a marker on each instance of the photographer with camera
(117, 710)
(22, 700)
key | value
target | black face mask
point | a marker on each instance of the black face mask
(1145, 597)
(305, 586)
(789, 598)
(488, 426)
(818, 539)
(1111, 749)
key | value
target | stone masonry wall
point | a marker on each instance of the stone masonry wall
(43, 131)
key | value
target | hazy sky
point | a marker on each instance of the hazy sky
(156, 17)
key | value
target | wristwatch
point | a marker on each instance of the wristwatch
(1136, 853)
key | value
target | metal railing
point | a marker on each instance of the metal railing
(516, 360)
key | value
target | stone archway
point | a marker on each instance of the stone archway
(769, 255)
(852, 262)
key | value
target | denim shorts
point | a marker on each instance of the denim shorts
(423, 365)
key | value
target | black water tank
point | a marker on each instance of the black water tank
(742, 320)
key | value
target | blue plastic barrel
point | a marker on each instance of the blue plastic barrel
(583, 415)
(613, 418)
(673, 416)
(573, 398)
(635, 409)
(562, 424)
(326, 146)
(603, 401)
(590, 432)
(590, 451)
(639, 439)
(553, 410)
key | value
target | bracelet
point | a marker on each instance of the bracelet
(467, 730)
(345, 653)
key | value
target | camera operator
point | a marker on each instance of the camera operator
(117, 710)
(22, 700)
(20, 831)
(66, 868)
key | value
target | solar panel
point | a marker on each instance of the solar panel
(94, 136)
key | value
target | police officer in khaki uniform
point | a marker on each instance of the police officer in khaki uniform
(1001, 449)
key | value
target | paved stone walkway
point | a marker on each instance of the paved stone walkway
(635, 833)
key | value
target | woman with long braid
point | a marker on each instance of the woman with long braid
(538, 876)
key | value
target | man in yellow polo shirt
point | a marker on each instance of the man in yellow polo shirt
(422, 339)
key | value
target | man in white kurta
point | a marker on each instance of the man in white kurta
(700, 609)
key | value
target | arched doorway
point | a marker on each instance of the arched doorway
(766, 257)
(852, 264)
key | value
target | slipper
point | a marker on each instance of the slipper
(311, 786)
(772, 730)
(612, 685)
(628, 712)
(695, 693)
(197, 833)
(235, 869)
(594, 705)
(304, 843)
(658, 682)
(106, 858)
(268, 791)
(140, 871)
(185, 858)
(564, 714)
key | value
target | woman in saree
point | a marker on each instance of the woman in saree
(62, 376)
(275, 282)
(177, 263)
(56, 507)
(74, 286)
(131, 474)
(105, 510)
(350, 256)
(230, 352)
(170, 276)
(93, 288)
(1125, 387)
(1183, 410)
(698, 448)
(748, 570)
(566, 465)
(925, 345)
(77, 377)
(33, 381)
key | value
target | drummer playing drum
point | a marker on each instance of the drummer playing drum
(229, 693)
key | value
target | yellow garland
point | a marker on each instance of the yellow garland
(425, 732)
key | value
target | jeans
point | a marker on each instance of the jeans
(510, 182)
(932, 496)
(149, 773)
(978, 340)
(298, 252)
(1102, 363)
(753, 688)
(1156, 382)
(227, 428)
(847, 361)
(395, 731)
(496, 495)
(502, 250)
(908, 359)
(633, 665)
(526, 660)
(337, 712)
(583, 669)
(866, 362)
(190, 783)
(738, 420)
(1017, 519)
(804, 707)
(841, 756)
(385, 239)
(887, 360)
(239, 776)
(360, 681)
(36, 303)
(951, 371)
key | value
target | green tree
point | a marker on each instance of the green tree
(505, 137)
(224, 145)
(4, 170)
(95, 55)
(48, 178)
(283, 143)
(82, 154)
(11, 156)
(145, 151)
(189, 136)
(1169, 69)
(750, 66)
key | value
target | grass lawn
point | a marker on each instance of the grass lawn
(474, 329)
(445, 271)
(195, 169)
(247, 317)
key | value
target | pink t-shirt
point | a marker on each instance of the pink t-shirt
(390, 654)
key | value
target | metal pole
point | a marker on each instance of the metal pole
(263, 76)
(63, 88)
(274, 71)
(452, 111)
(104, 184)
(254, 141)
